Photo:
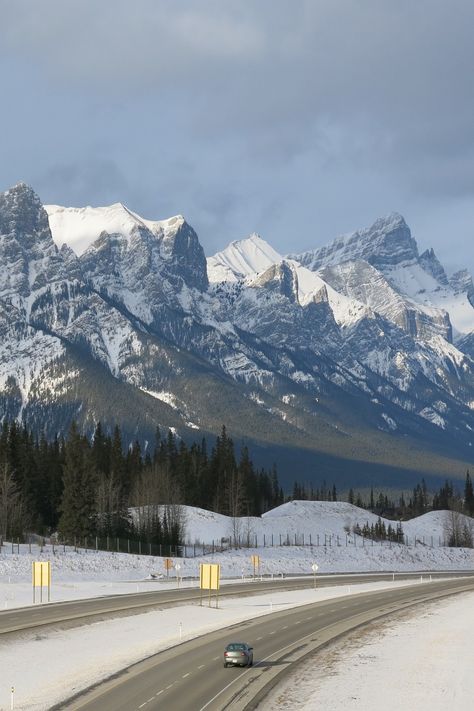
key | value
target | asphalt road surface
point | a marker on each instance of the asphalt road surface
(78, 612)
(191, 676)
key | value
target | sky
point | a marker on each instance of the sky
(297, 119)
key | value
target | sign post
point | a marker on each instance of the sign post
(314, 568)
(41, 578)
(168, 563)
(177, 567)
(256, 564)
(209, 579)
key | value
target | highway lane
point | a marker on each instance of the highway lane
(77, 612)
(191, 677)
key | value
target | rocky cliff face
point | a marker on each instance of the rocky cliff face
(386, 243)
(346, 350)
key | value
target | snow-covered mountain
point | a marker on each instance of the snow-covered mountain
(352, 357)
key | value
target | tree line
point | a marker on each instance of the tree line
(81, 487)
(420, 501)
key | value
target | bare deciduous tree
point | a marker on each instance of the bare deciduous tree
(458, 529)
(155, 495)
(12, 511)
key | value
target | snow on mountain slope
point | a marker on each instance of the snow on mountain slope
(137, 300)
(310, 287)
(423, 289)
(390, 249)
(385, 243)
(80, 227)
(241, 259)
(254, 260)
(360, 280)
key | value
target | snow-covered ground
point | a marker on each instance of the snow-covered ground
(66, 669)
(90, 573)
(421, 662)
(324, 519)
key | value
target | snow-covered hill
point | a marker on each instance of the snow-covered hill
(324, 521)
(288, 539)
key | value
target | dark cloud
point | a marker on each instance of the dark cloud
(101, 178)
(299, 119)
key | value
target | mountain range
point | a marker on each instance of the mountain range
(352, 362)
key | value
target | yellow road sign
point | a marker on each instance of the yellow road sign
(209, 576)
(41, 574)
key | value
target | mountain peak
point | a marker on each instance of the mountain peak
(21, 211)
(242, 258)
(79, 227)
(385, 244)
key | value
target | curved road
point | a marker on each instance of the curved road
(77, 612)
(191, 677)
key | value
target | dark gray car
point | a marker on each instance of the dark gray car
(238, 654)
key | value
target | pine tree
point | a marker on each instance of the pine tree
(78, 506)
(468, 495)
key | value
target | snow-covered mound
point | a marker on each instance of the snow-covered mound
(288, 539)
(326, 519)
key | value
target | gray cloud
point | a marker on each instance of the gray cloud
(299, 119)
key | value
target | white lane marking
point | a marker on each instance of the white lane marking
(142, 705)
(259, 638)
(169, 686)
(258, 664)
(151, 699)
(185, 675)
(298, 622)
(273, 632)
(201, 666)
(285, 627)
(214, 658)
(159, 692)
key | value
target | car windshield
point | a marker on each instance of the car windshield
(235, 647)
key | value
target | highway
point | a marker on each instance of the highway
(191, 676)
(78, 612)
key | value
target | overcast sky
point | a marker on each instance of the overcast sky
(298, 119)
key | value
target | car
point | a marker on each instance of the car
(238, 654)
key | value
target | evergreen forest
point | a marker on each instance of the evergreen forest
(83, 488)
(79, 487)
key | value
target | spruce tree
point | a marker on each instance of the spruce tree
(468, 495)
(78, 510)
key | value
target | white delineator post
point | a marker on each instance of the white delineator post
(314, 568)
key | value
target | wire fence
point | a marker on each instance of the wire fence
(112, 544)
